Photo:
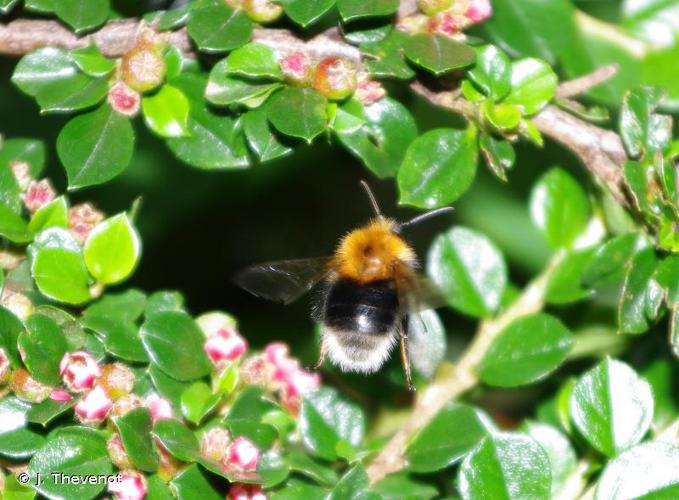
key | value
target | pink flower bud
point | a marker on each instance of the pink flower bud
(143, 68)
(262, 11)
(160, 408)
(79, 371)
(479, 10)
(17, 303)
(124, 99)
(242, 491)
(117, 453)
(224, 347)
(94, 406)
(27, 388)
(299, 383)
(130, 485)
(214, 442)
(242, 455)
(5, 368)
(22, 173)
(256, 370)
(447, 24)
(335, 77)
(117, 379)
(283, 365)
(369, 91)
(296, 67)
(38, 194)
(81, 220)
(126, 404)
(60, 395)
(431, 7)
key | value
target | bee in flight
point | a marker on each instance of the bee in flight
(370, 288)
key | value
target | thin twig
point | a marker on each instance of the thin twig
(452, 381)
(582, 84)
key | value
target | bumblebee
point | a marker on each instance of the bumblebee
(370, 287)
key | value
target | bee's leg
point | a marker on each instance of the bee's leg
(404, 354)
(321, 357)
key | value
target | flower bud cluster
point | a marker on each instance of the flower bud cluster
(449, 17)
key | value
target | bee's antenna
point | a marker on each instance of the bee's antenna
(426, 215)
(372, 199)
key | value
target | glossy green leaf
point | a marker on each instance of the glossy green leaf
(31, 151)
(217, 27)
(261, 138)
(190, 484)
(13, 226)
(177, 439)
(502, 117)
(649, 471)
(469, 269)
(164, 300)
(135, 433)
(298, 112)
(565, 282)
(173, 18)
(120, 337)
(174, 342)
(498, 153)
(58, 267)
(254, 60)
(197, 401)
(112, 250)
(637, 180)
(76, 451)
(386, 57)
(10, 328)
(403, 487)
(125, 306)
(225, 87)
(17, 441)
(76, 93)
(382, 140)
(95, 147)
(352, 485)
(54, 213)
(92, 62)
(510, 466)
(446, 439)
(438, 54)
(526, 351)
(439, 166)
(82, 15)
(166, 112)
(328, 423)
(358, 9)
(306, 12)
(642, 130)
(303, 464)
(426, 342)
(612, 407)
(492, 72)
(641, 294)
(272, 469)
(562, 457)
(559, 207)
(166, 386)
(609, 263)
(43, 413)
(533, 85)
(38, 71)
(43, 344)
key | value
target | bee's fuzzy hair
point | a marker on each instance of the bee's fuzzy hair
(357, 352)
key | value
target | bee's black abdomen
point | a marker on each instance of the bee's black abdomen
(369, 308)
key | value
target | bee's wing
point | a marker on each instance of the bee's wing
(418, 293)
(284, 280)
(426, 341)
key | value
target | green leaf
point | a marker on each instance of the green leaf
(164, 300)
(166, 112)
(13, 226)
(43, 413)
(261, 138)
(226, 88)
(10, 328)
(612, 407)
(173, 18)
(254, 60)
(446, 439)
(559, 207)
(72, 451)
(306, 12)
(502, 117)
(272, 469)
(112, 250)
(506, 465)
(79, 92)
(95, 147)
(177, 439)
(667, 276)
(352, 485)
(611, 260)
(526, 351)
(561, 455)
(43, 344)
(641, 294)
(565, 282)
(383, 139)
(642, 130)
(387, 57)
(492, 72)
(40, 5)
(298, 112)
(636, 178)
(92, 62)
(135, 433)
(499, 154)
(7, 5)
(32, 151)
(174, 342)
(82, 15)
(303, 464)
(533, 85)
(358, 9)
(197, 401)
(438, 54)
(120, 337)
(166, 386)
(16, 441)
(58, 267)
(650, 471)
(439, 166)
(328, 424)
(469, 269)
(14, 490)
(295, 489)
(216, 27)
(402, 487)
(426, 342)
(190, 484)
(53, 214)
(125, 306)
(38, 71)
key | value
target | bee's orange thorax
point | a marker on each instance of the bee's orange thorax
(373, 252)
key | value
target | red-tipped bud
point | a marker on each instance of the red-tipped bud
(126, 404)
(81, 220)
(27, 388)
(143, 68)
(296, 68)
(241, 455)
(117, 453)
(242, 491)
(38, 194)
(369, 91)
(79, 371)
(20, 305)
(225, 347)
(60, 395)
(299, 383)
(479, 10)
(22, 173)
(262, 11)
(130, 485)
(335, 77)
(124, 99)
(5, 368)
(116, 379)
(214, 442)
(447, 24)
(160, 408)
(94, 406)
(431, 7)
